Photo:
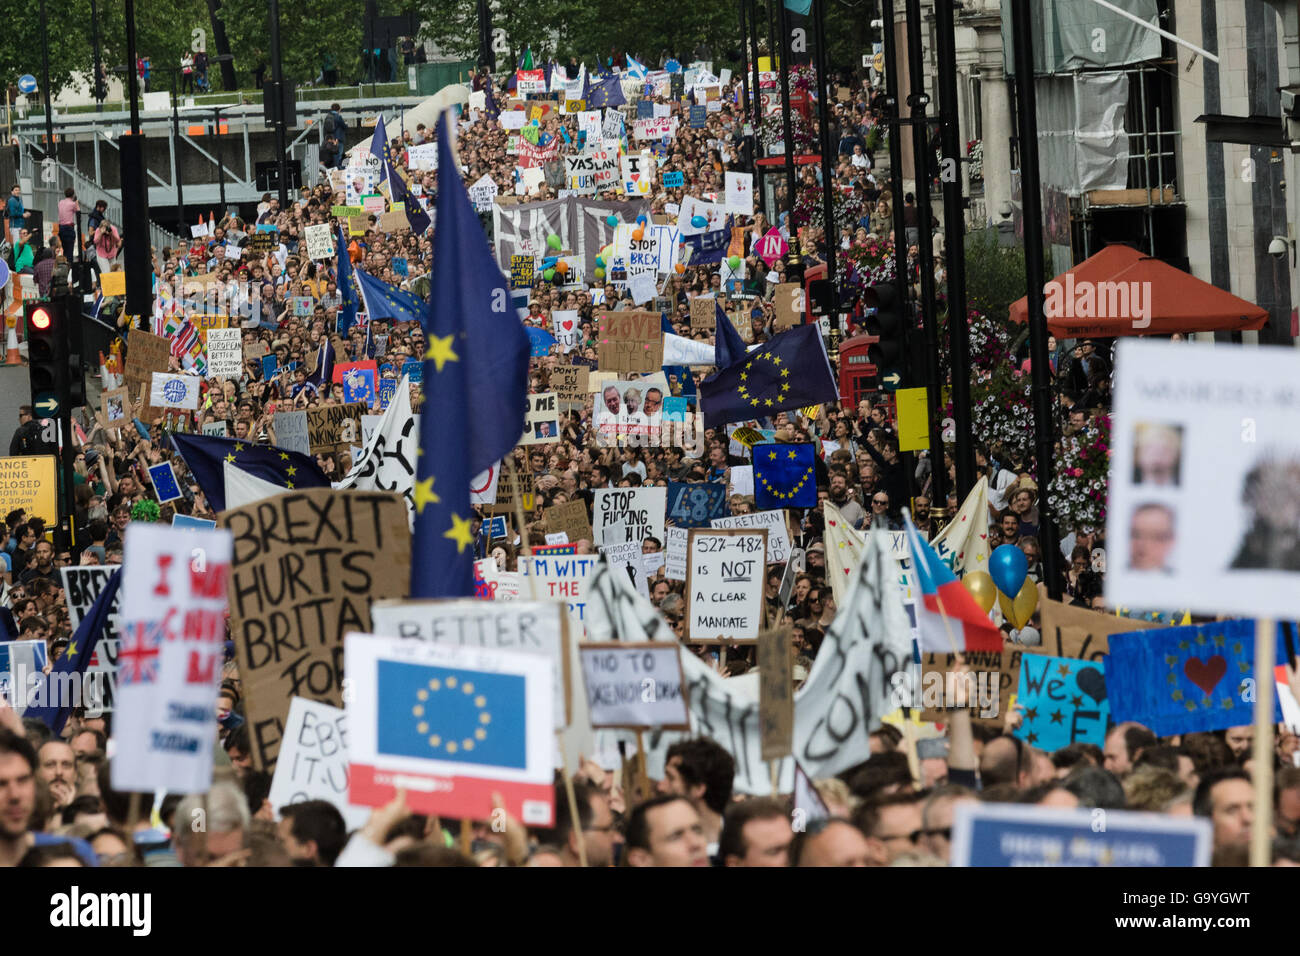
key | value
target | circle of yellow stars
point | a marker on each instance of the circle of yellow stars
(1219, 641)
(803, 479)
(451, 683)
(440, 352)
(756, 401)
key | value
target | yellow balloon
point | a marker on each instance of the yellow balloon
(1020, 609)
(982, 589)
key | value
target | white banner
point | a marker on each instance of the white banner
(174, 391)
(225, 353)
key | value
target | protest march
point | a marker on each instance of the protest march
(543, 486)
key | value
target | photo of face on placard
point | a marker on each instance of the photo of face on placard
(1152, 534)
(629, 413)
(1157, 453)
(1270, 493)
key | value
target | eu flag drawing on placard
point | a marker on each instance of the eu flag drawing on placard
(474, 340)
(785, 476)
(453, 714)
(1180, 680)
(790, 371)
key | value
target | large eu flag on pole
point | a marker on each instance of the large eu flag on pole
(474, 341)
(790, 371)
(347, 288)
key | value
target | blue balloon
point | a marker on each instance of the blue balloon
(550, 261)
(699, 222)
(1008, 568)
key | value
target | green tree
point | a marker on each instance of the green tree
(21, 43)
(308, 32)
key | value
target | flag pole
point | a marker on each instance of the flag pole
(1262, 757)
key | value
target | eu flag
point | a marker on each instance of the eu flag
(347, 288)
(785, 476)
(729, 347)
(453, 714)
(398, 192)
(607, 92)
(384, 301)
(379, 143)
(1181, 680)
(790, 371)
(474, 339)
(207, 456)
(51, 702)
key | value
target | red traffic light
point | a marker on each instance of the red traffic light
(40, 319)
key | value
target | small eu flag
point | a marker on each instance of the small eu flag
(790, 371)
(208, 455)
(453, 714)
(785, 476)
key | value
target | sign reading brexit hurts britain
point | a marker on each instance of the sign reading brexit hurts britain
(307, 565)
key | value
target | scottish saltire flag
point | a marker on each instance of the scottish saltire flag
(208, 455)
(790, 371)
(970, 627)
(474, 337)
(49, 702)
(453, 714)
(347, 288)
(383, 301)
(608, 92)
(635, 66)
(785, 476)
(728, 346)
(1182, 680)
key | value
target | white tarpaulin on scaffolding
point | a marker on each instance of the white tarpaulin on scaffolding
(1082, 143)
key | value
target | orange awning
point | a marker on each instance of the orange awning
(1119, 292)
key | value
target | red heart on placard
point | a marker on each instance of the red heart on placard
(963, 517)
(1206, 674)
(984, 537)
(568, 324)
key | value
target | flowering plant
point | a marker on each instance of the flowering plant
(1077, 491)
(145, 510)
(869, 262)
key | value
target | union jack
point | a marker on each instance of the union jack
(138, 657)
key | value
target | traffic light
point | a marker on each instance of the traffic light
(887, 324)
(55, 360)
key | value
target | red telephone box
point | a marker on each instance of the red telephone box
(858, 377)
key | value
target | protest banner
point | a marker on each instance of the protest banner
(225, 353)
(629, 342)
(778, 533)
(291, 431)
(527, 627)
(168, 391)
(307, 566)
(173, 621)
(313, 762)
(634, 685)
(620, 515)
(788, 300)
(695, 504)
(571, 519)
(332, 425)
(998, 834)
(1194, 429)
(1065, 701)
(320, 241)
(675, 544)
(704, 310)
(776, 693)
(586, 172)
(570, 384)
(1070, 631)
(146, 353)
(724, 585)
(451, 726)
(30, 484)
(560, 578)
(82, 585)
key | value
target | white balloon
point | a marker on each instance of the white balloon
(1028, 636)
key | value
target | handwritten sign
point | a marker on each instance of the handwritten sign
(313, 762)
(634, 684)
(331, 425)
(570, 519)
(628, 514)
(1065, 702)
(629, 342)
(589, 171)
(724, 584)
(778, 534)
(570, 383)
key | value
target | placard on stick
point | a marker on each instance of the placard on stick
(571, 518)
(776, 693)
(724, 584)
(1078, 632)
(704, 310)
(570, 384)
(634, 685)
(146, 353)
(307, 565)
(630, 342)
(332, 425)
(787, 300)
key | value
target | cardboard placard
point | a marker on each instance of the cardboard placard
(787, 299)
(332, 425)
(704, 310)
(630, 342)
(776, 693)
(995, 674)
(307, 566)
(542, 423)
(570, 383)
(394, 221)
(638, 685)
(146, 353)
(1070, 631)
(725, 573)
(571, 519)
(510, 484)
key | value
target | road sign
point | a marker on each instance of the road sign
(891, 380)
(26, 83)
(47, 404)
